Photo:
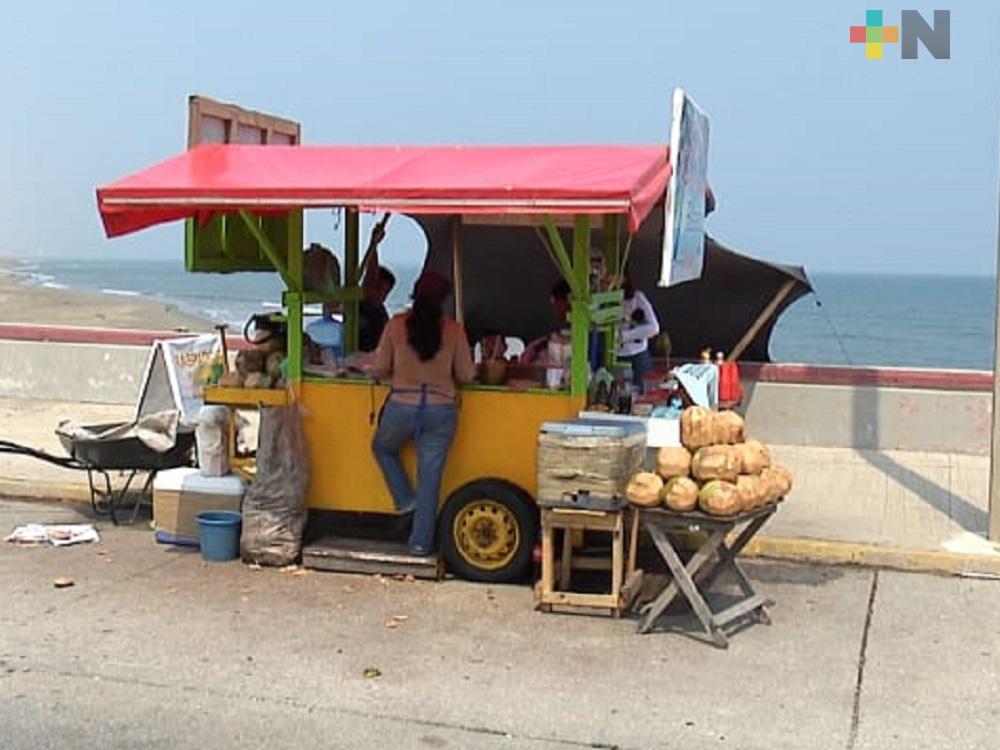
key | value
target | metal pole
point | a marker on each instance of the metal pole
(994, 517)
(457, 264)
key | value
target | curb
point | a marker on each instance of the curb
(875, 556)
(53, 492)
(814, 551)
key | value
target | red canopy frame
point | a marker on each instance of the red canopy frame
(555, 180)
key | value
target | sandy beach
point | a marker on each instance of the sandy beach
(20, 303)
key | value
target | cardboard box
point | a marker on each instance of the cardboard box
(179, 495)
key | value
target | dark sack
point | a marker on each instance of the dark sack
(274, 513)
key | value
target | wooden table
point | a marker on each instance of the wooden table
(713, 558)
(553, 592)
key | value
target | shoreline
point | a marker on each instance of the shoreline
(25, 303)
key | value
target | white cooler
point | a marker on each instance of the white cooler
(179, 495)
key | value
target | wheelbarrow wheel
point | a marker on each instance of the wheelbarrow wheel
(487, 531)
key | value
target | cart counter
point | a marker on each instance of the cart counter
(497, 437)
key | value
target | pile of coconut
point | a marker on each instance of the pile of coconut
(715, 469)
(255, 368)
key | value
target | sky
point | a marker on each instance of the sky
(818, 156)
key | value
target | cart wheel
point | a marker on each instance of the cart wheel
(487, 531)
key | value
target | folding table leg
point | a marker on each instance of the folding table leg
(728, 553)
(683, 581)
(727, 561)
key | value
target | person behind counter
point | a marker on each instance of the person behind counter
(639, 325)
(559, 298)
(376, 285)
(425, 355)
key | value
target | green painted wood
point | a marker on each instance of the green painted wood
(268, 248)
(318, 298)
(562, 257)
(580, 305)
(295, 252)
(613, 261)
(352, 277)
(294, 307)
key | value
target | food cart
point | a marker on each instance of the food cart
(243, 205)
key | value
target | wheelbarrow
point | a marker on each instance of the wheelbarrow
(100, 456)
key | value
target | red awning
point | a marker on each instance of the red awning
(592, 180)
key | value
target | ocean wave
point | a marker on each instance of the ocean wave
(53, 285)
(121, 292)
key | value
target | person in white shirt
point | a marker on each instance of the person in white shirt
(639, 325)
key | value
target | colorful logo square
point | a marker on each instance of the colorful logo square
(874, 34)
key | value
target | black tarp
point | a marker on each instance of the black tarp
(508, 275)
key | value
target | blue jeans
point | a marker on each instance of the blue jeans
(641, 363)
(432, 428)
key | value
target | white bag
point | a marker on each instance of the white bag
(212, 437)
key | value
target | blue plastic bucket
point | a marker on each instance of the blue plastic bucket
(219, 534)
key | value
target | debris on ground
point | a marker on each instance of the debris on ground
(63, 582)
(58, 535)
(396, 620)
(371, 673)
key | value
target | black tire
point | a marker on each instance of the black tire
(479, 503)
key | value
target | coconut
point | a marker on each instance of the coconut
(644, 489)
(716, 462)
(777, 482)
(749, 490)
(784, 479)
(231, 379)
(696, 427)
(680, 494)
(272, 365)
(251, 360)
(673, 462)
(719, 498)
(754, 456)
(727, 428)
(257, 380)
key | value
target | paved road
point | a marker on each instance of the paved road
(152, 648)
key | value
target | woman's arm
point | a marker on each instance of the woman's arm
(465, 368)
(383, 356)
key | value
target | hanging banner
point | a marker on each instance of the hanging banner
(684, 215)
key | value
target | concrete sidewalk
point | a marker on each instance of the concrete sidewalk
(919, 511)
(152, 647)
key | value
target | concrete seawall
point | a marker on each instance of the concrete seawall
(891, 466)
(91, 373)
(861, 409)
(869, 417)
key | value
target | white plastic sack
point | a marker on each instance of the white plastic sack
(212, 438)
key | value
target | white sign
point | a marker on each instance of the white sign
(176, 372)
(684, 216)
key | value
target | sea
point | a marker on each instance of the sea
(851, 319)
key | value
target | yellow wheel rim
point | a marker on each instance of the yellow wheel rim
(487, 534)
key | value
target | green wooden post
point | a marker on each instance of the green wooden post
(580, 305)
(295, 253)
(297, 286)
(612, 259)
(352, 275)
(293, 300)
